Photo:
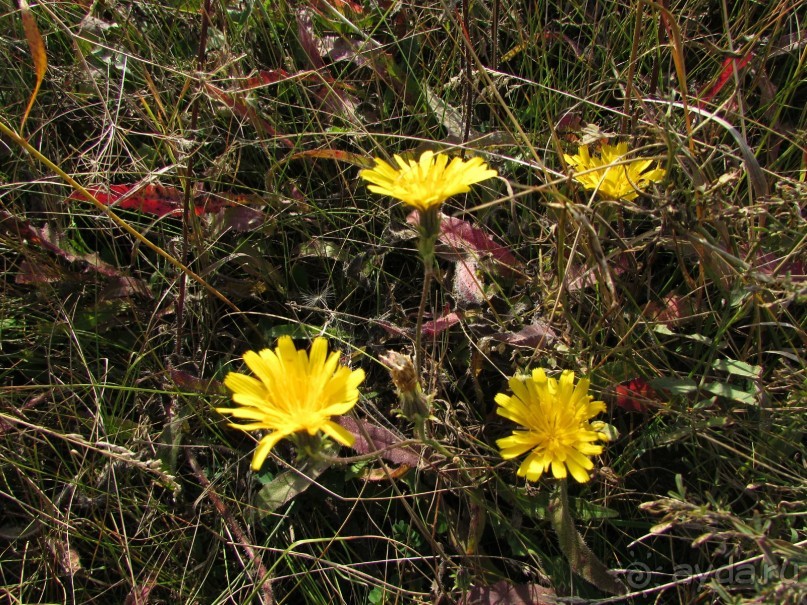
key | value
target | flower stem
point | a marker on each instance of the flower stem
(428, 269)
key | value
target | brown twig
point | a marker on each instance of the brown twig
(261, 574)
(187, 211)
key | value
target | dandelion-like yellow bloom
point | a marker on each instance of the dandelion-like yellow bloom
(557, 417)
(428, 182)
(611, 178)
(292, 393)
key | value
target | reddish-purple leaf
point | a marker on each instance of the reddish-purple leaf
(189, 382)
(39, 273)
(242, 110)
(672, 310)
(139, 594)
(461, 236)
(444, 322)
(534, 335)
(126, 287)
(241, 219)
(390, 328)
(381, 440)
(50, 241)
(771, 265)
(459, 240)
(308, 39)
(468, 287)
(504, 593)
(583, 276)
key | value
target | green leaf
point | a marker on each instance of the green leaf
(729, 392)
(675, 386)
(737, 368)
(582, 560)
(287, 485)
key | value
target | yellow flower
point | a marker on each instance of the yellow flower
(428, 182)
(292, 393)
(556, 416)
(611, 178)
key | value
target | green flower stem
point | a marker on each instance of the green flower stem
(582, 560)
(428, 270)
(429, 229)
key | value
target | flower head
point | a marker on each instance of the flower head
(292, 392)
(557, 417)
(428, 182)
(414, 404)
(610, 174)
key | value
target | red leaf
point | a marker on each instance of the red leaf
(266, 77)
(161, 201)
(726, 72)
(461, 235)
(149, 199)
(634, 395)
(676, 309)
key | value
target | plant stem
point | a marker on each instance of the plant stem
(428, 270)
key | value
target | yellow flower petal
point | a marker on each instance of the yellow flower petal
(558, 432)
(611, 174)
(427, 182)
(265, 445)
(338, 433)
(294, 392)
